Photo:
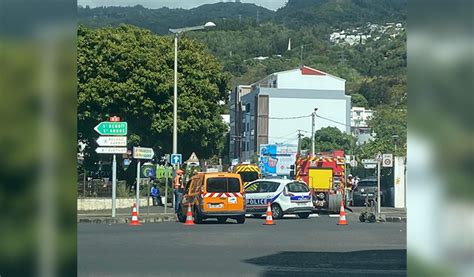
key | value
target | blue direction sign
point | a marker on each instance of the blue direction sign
(176, 159)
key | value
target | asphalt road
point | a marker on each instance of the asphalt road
(293, 247)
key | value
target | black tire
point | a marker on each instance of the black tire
(181, 217)
(240, 219)
(362, 217)
(222, 219)
(277, 213)
(371, 218)
(197, 217)
(303, 215)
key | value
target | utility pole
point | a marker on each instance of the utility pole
(299, 142)
(313, 116)
(301, 55)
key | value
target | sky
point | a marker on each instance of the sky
(185, 4)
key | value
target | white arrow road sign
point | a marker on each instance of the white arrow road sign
(176, 159)
(143, 153)
(111, 150)
(112, 141)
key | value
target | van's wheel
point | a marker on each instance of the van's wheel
(240, 219)
(222, 219)
(277, 213)
(303, 215)
(181, 217)
(197, 217)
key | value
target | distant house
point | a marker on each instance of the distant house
(359, 124)
(275, 108)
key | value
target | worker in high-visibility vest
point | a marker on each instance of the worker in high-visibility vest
(178, 188)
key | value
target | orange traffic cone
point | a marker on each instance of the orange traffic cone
(189, 216)
(134, 220)
(269, 220)
(342, 215)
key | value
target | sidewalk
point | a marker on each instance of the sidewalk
(387, 214)
(146, 214)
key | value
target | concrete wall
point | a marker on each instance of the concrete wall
(399, 182)
(88, 204)
(295, 80)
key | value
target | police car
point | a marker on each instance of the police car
(286, 196)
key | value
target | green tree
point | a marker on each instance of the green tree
(358, 100)
(390, 127)
(128, 71)
(328, 139)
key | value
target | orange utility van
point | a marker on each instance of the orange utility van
(214, 195)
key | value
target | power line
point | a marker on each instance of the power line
(328, 119)
(285, 118)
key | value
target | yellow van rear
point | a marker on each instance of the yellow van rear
(214, 195)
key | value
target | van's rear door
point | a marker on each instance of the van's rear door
(223, 194)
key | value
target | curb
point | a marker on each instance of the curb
(395, 219)
(124, 220)
(387, 218)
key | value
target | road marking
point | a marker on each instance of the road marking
(333, 215)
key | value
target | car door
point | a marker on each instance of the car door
(298, 194)
(186, 199)
(258, 194)
(253, 200)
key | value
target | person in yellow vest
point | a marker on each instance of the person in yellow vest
(178, 188)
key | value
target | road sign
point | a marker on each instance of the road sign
(176, 159)
(370, 166)
(112, 141)
(111, 128)
(148, 170)
(378, 157)
(193, 160)
(111, 150)
(143, 153)
(369, 161)
(387, 160)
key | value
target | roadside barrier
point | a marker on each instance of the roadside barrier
(342, 215)
(189, 216)
(269, 220)
(134, 220)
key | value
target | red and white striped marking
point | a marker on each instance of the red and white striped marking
(223, 194)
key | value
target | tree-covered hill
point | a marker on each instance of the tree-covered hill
(161, 20)
(340, 13)
(375, 70)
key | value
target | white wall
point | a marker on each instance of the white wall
(399, 182)
(285, 131)
(294, 79)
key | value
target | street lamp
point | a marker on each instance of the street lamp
(394, 139)
(176, 33)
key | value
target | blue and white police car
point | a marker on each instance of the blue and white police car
(286, 197)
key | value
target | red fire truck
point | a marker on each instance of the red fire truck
(324, 174)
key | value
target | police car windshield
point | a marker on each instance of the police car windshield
(223, 184)
(297, 187)
(248, 176)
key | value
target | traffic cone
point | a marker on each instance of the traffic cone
(269, 220)
(342, 215)
(189, 216)
(134, 220)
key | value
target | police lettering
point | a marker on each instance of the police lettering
(256, 201)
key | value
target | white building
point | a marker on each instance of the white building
(275, 108)
(359, 124)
